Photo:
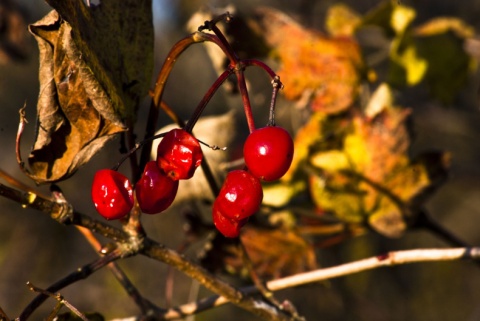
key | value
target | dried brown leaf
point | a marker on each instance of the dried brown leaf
(95, 65)
(273, 253)
(278, 252)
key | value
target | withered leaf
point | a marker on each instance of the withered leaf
(273, 252)
(95, 66)
(278, 252)
(327, 68)
(373, 180)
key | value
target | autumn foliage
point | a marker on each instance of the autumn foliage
(352, 171)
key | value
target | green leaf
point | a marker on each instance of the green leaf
(441, 43)
(393, 17)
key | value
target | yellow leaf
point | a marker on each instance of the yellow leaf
(444, 24)
(341, 20)
(372, 179)
(279, 194)
(402, 17)
(307, 136)
(380, 99)
(338, 195)
(405, 54)
(332, 160)
(388, 221)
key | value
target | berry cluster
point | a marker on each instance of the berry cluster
(268, 153)
(178, 155)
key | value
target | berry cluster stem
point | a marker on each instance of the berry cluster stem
(277, 85)
(242, 86)
(206, 98)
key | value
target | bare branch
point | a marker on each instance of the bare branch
(61, 301)
(64, 213)
(144, 304)
(168, 256)
(389, 259)
(80, 274)
(385, 260)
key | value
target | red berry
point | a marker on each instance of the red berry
(240, 195)
(268, 152)
(155, 190)
(179, 154)
(225, 225)
(112, 194)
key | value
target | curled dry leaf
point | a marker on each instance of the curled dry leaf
(328, 67)
(95, 66)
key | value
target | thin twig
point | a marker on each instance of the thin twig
(144, 304)
(168, 256)
(149, 248)
(61, 301)
(384, 260)
(73, 277)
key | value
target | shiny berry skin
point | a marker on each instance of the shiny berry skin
(240, 195)
(225, 225)
(179, 154)
(112, 194)
(268, 152)
(155, 190)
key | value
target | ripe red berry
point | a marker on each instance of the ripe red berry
(240, 195)
(179, 154)
(268, 152)
(155, 190)
(112, 194)
(225, 225)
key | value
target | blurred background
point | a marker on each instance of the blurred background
(35, 248)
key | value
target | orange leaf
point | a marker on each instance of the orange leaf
(326, 67)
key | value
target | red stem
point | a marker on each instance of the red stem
(208, 95)
(260, 64)
(242, 86)
(162, 78)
